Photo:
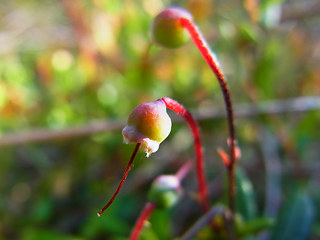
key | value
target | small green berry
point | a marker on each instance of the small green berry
(148, 124)
(165, 191)
(167, 30)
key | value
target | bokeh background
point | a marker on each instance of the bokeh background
(71, 72)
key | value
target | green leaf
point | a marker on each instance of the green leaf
(147, 233)
(295, 218)
(253, 227)
(268, 3)
(271, 12)
(245, 198)
(247, 33)
(160, 220)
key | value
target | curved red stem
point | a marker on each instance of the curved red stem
(143, 217)
(202, 185)
(124, 177)
(211, 60)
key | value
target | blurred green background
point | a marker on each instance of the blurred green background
(67, 67)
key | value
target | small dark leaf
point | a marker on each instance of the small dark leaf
(254, 227)
(245, 199)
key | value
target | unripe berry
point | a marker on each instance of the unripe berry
(165, 191)
(148, 124)
(167, 30)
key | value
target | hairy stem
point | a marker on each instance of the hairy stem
(143, 217)
(211, 60)
(202, 185)
(124, 177)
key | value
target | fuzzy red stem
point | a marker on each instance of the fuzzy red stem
(211, 60)
(143, 217)
(124, 177)
(180, 110)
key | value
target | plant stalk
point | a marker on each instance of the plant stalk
(211, 60)
(148, 208)
(124, 177)
(202, 185)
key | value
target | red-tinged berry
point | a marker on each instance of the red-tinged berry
(167, 30)
(148, 124)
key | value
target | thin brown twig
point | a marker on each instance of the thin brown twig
(300, 104)
(300, 12)
(44, 135)
(206, 219)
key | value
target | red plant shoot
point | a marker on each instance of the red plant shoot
(124, 177)
(180, 110)
(211, 60)
(141, 220)
(171, 28)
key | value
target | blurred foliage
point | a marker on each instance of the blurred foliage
(65, 63)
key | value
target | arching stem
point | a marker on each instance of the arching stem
(211, 60)
(202, 185)
(124, 177)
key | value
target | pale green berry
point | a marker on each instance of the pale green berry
(148, 124)
(167, 30)
(165, 191)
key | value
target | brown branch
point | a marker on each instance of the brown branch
(294, 105)
(300, 12)
(206, 219)
(43, 135)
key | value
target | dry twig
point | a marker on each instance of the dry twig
(206, 219)
(301, 104)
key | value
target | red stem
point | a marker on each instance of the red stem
(124, 177)
(211, 60)
(180, 110)
(183, 171)
(143, 217)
